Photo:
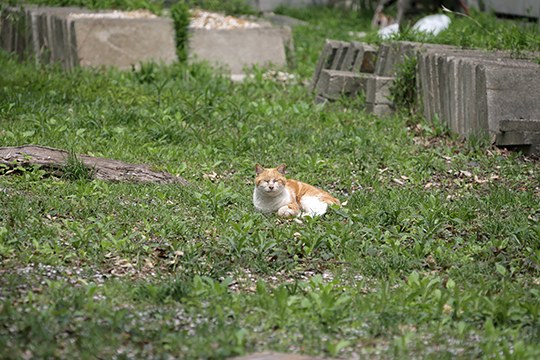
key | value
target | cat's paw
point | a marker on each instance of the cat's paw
(286, 211)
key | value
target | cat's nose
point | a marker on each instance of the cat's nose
(270, 187)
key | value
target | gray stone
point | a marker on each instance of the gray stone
(120, 42)
(527, 8)
(237, 49)
(378, 89)
(344, 56)
(519, 125)
(510, 138)
(381, 110)
(334, 83)
(472, 91)
(326, 59)
(511, 92)
(16, 35)
(282, 20)
(391, 56)
(271, 5)
(55, 34)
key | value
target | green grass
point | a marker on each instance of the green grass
(435, 255)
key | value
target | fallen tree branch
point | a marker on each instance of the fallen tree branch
(54, 160)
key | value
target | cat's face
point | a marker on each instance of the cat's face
(270, 181)
(381, 20)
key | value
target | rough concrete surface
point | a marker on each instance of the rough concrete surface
(378, 89)
(237, 49)
(122, 43)
(58, 34)
(334, 83)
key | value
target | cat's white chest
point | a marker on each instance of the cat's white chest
(269, 204)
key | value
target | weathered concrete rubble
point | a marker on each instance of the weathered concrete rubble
(237, 49)
(473, 92)
(342, 68)
(80, 37)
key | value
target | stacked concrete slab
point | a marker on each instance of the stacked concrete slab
(271, 5)
(78, 37)
(471, 91)
(342, 68)
(474, 92)
(237, 49)
(518, 8)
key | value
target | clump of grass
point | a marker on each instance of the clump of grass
(403, 90)
(75, 169)
(181, 17)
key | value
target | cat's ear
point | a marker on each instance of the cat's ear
(258, 169)
(282, 169)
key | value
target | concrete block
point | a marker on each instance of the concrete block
(391, 55)
(368, 60)
(378, 89)
(354, 55)
(73, 36)
(236, 49)
(123, 42)
(334, 83)
(519, 125)
(326, 59)
(344, 56)
(16, 31)
(472, 91)
(527, 8)
(511, 93)
(283, 20)
(271, 5)
(511, 138)
(381, 110)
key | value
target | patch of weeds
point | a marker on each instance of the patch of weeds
(479, 142)
(181, 18)
(403, 90)
(75, 169)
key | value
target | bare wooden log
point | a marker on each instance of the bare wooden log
(54, 160)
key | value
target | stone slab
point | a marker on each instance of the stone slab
(381, 110)
(392, 54)
(454, 87)
(271, 5)
(120, 42)
(58, 35)
(378, 89)
(47, 36)
(511, 138)
(528, 8)
(519, 125)
(512, 92)
(236, 49)
(15, 31)
(326, 59)
(345, 56)
(283, 20)
(335, 83)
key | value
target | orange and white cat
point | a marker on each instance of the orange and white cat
(275, 193)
